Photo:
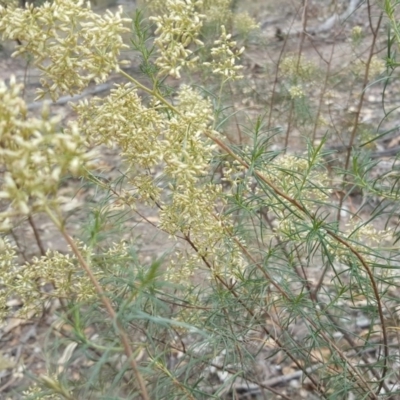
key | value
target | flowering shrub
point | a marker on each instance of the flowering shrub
(250, 222)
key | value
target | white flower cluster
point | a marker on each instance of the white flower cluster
(35, 154)
(376, 67)
(61, 271)
(293, 67)
(296, 92)
(176, 30)
(225, 57)
(69, 43)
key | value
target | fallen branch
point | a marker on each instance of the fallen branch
(66, 99)
(326, 26)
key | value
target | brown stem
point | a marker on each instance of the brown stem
(330, 233)
(301, 44)
(276, 78)
(362, 383)
(37, 236)
(106, 302)
(313, 293)
(378, 300)
(218, 367)
(252, 314)
(357, 115)
(323, 92)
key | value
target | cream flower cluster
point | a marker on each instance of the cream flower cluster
(298, 179)
(35, 154)
(72, 46)
(121, 119)
(69, 43)
(291, 67)
(306, 183)
(218, 10)
(191, 209)
(244, 23)
(54, 275)
(177, 29)
(151, 139)
(296, 92)
(376, 67)
(225, 56)
(215, 11)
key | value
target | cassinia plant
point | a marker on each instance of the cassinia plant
(252, 234)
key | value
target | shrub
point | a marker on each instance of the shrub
(267, 260)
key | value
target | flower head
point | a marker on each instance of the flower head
(70, 44)
(225, 56)
(176, 30)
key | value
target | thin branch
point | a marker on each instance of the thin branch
(106, 302)
(358, 114)
(251, 312)
(330, 233)
(297, 205)
(37, 236)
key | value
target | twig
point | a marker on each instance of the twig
(66, 99)
(304, 210)
(330, 23)
(276, 78)
(219, 367)
(330, 233)
(106, 302)
(251, 312)
(358, 113)
(288, 377)
(37, 236)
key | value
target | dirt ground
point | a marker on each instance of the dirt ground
(22, 341)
